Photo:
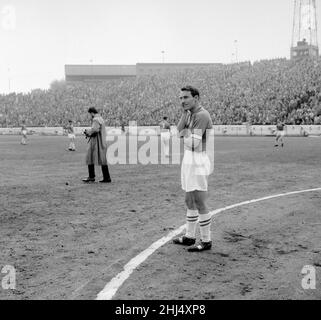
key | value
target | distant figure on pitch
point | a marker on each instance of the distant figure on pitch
(96, 154)
(122, 125)
(71, 135)
(165, 135)
(194, 127)
(24, 133)
(280, 133)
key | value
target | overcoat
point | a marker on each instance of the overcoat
(97, 149)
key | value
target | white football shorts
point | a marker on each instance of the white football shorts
(71, 136)
(165, 135)
(195, 170)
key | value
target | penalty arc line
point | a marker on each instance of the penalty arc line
(115, 283)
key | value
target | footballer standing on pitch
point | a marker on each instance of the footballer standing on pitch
(280, 133)
(165, 129)
(24, 133)
(71, 135)
(194, 126)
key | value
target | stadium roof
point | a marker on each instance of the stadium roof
(103, 72)
(173, 64)
(100, 70)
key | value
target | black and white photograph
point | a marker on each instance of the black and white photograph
(161, 151)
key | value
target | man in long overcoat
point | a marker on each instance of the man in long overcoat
(96, 154)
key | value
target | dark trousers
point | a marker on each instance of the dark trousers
(104, 169)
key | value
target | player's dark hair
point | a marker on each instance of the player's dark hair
(165, 118)
(92, 110)
(194, 92)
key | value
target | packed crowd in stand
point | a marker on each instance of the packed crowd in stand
(259, 93)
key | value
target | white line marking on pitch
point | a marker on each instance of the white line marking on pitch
(114, 284)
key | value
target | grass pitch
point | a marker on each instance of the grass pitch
(67, 241)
